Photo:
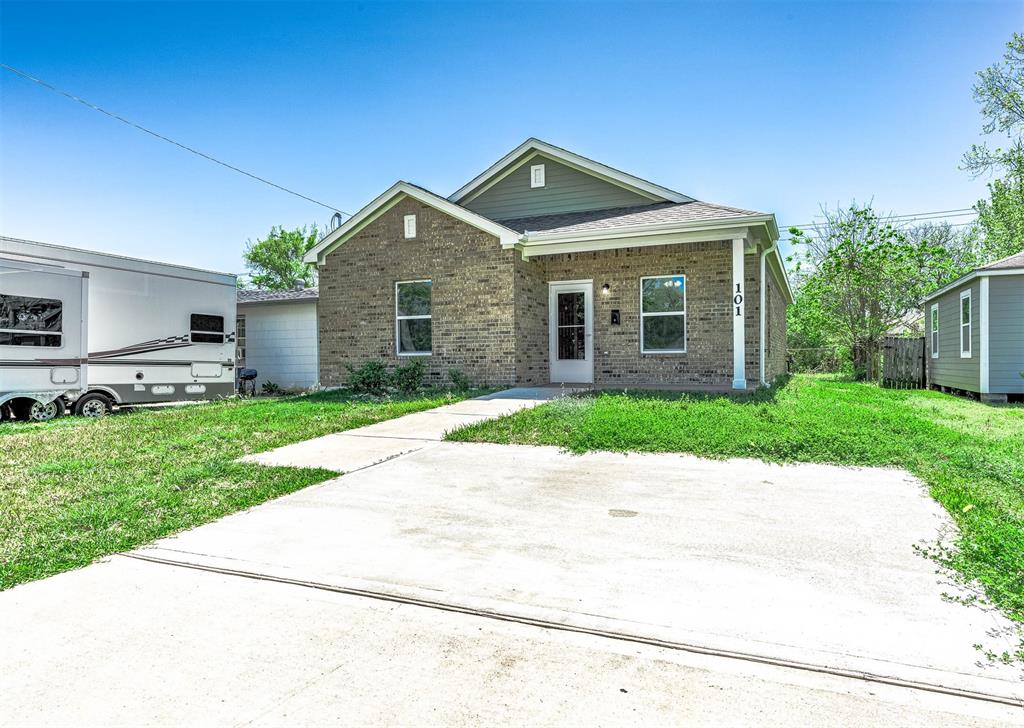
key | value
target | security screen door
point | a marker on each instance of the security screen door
(571, 331)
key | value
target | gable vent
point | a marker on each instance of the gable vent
(410, 226)
(537, 175)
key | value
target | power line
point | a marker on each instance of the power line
(908, 217)
(187, 148)
(952, 225)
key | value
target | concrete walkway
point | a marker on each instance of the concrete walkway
(475, 584)
(352, 450)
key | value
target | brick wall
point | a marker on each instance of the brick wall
(490, 307)
(775, 330)
(472, 298)
(708, 270)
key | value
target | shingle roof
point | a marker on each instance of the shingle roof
(1011, 261)
(263, 296)
(661, 212)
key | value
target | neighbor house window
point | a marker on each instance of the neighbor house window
(207, 328)
(935, 330)
(537, 175)
(413, 327)
(965, 324)
(30, 321)
(663, 314)
(410, 226)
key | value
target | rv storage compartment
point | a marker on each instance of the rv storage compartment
(205, 369)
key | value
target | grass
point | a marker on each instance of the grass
(971, 455)
(75, 489)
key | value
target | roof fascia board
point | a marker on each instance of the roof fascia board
(720, 224)
(391, 197)
(623, 179)
(970, 277)
(612, 242)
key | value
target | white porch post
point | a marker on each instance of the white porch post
(739, 376)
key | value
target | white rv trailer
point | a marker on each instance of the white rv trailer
(156, 332)
(43, 338)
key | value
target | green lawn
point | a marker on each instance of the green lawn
(76, 489)
(971, 455)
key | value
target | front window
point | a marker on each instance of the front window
(207, 328)
(663, 314)
(935, 330)
(29, 321)
(413, 325)
(965, 324)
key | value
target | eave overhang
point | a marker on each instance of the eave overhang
(391, 197)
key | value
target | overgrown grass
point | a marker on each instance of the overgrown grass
(971, 455)
(76, 489)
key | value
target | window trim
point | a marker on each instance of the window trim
(409, 223)
(35, 332)
(933, 330)
(684, 313)
(399, 319)
(537, 180)
(223, 330)
(969, 351)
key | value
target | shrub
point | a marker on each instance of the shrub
(269, 389)
(459, 380)
(370, 378)
(409, 378)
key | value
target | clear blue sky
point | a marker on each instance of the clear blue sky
(767, 106)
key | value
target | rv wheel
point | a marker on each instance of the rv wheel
(39, 412)
(93, 404)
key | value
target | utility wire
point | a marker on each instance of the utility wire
(908, 217)
(187, 148)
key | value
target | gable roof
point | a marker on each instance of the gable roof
(618, 217)
(533, 146)
(391, 197)
(1010, 265)
(1011, 261)
(259, 295)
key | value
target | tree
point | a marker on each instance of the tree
(275, 262)
(863, 276)
(1000, 92)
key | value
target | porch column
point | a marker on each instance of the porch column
(739, 376)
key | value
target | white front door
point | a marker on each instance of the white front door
(571, 331)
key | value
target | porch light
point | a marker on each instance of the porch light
(605, 289)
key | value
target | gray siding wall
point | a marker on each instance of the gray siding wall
(565, 190)
(1006, 334)
(949, 369)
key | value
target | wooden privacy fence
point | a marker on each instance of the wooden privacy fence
(903, 363)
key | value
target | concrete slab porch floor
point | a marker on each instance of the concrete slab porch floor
(473, 583)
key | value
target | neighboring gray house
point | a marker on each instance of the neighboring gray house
(277, 336)
(975, 332)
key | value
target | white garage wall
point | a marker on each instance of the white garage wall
(281, 343)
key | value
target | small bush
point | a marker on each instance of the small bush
(459, 380)
(370, 378)
(409, 378)
(269, 388)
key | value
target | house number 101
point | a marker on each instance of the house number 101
(738, 299)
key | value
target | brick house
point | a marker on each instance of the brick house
(549, 267)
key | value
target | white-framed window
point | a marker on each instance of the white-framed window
(410, 226)
(30, 321)
(663, 314)
(537, 175)
(934, 330)
(965, 324)
(206, 328)
(413, 323)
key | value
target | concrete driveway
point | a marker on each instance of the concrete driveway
(473, 583)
